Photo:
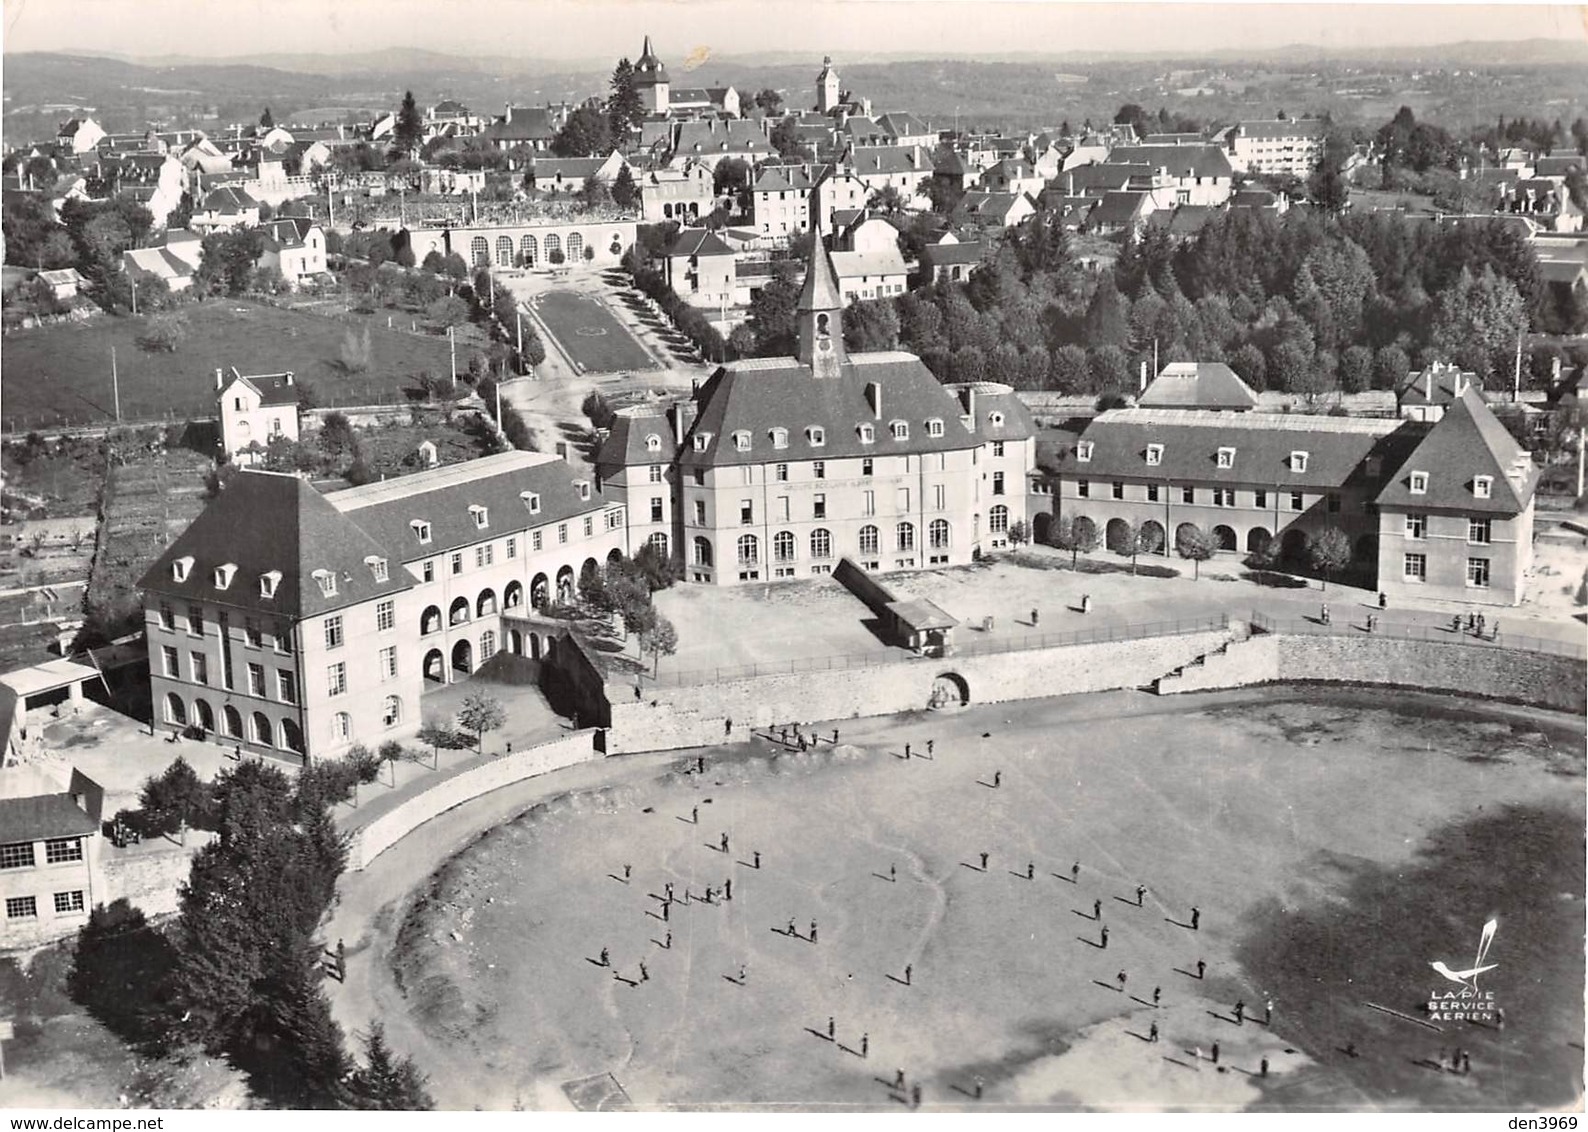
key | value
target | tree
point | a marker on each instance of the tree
(386, 1082)
(625, 109)
(887, 200)
(336, 435)
(1356, 369)
(357, 351)
(1477, 322)
(175, 801)
(1329, 552)
(597, 410)
(1107, 321)
(586, 133)
(266, 122)
(449, 310)
(660, 640)
(433, 735)
(1076, 534)
(730, 177)
(772, 316)
(1193, 543)
(1391, 367)
(786, 140)
(409, 132)
(227, 260)
(1126, 541)
(1134, 116)
(481, 713)
(166, 332)
(592, 195)
(871, 325)
(770, 102)
(624, 192)
(119, 971)
(1019, 533)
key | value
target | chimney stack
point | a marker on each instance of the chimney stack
(874, 398)
(289, 377)
(1143, 388)
(967, 398)
(218, 382)
(1428, 382)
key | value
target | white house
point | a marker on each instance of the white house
(294, 246)
(254, 410)
(80, 135)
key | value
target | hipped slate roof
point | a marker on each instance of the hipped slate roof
(626, 441)
(1198, 385)
(43, 816)
(1467, 442)
(1180, 160)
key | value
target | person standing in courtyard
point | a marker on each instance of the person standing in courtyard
(898, 1079)
(1031, 870)
(1104, 936)
(1120, 978)
(1202, 968)
(758, 858)
(832, 1027)
(1097, 909)
(984, 862)
(606, 958)
(909, 974)
(865, 1045)
(1215, 1053)
(1196, 918)
(1157, 993)
(1152, 1032)
(893, 873)
(1262, 1066)
(645, 976)
(791, 929)
(907, 750)
(931, 746)
(915, 1096)
(998, 778)
(628, 871)
(1268, 1012)
(813, 931)
(1075, 873)
(727, 889)
(725, 843)
(1240, 1012)
(1141, 894)
(1033, 617)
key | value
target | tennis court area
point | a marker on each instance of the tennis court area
(589, 333)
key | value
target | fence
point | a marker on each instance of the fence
(987, 647)
(1443, 634)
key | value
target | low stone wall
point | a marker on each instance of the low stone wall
(670, 718)
(149, 874)
(370, 841)
(1540, 679)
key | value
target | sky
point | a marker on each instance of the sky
(585, 29)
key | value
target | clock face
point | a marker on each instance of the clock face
(824, 345)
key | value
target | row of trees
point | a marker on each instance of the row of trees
(1328, 551)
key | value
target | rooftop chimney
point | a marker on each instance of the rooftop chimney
(874, 398)
(219, 380)
(1143, 377)
(1428, 382)
(967, 398)
(289, 377)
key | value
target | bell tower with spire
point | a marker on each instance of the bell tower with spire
(827, 93)
(650, 80)
(820, 316)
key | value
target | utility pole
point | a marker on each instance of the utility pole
(452, 346)
(1516, 378)
(115, 385)
(134, 283)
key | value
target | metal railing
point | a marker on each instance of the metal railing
(989, 646)
(1442, 634)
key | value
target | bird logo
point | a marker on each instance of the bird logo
(1469, 977)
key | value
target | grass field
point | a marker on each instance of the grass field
(590, 334)
(1335, 844)
(59, 375)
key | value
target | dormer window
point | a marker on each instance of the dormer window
(1483, 486)
(899, 429)
(268, 583)
(1226, 457)
(181, 568)
(481, 516)
(1083, 452)
(741, 441)
(816, 435)
(996, 420)
(1298, 462)
(326, 580)
(531, 501)
(1154, 455)
(1419, 483)
(421, 531)
(934, 427)
(702, 439)
(867, 434)
(780, 438)
(583, 487)
(377, 567)
(653, 443)
(224, 575)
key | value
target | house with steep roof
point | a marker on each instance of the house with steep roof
(294, 246)
(571, 174)
(1426, 394)
(780, 199)
(951, 259)
(785, 465)
(1211, 386)
(903, 128)
(532, 127)
(993, 212)
(1291, 146)
(1121, 213)
(902, 168)
(715, 139)
(684, 194)
(50, 853)
(79, 136)
(1456, 520)
(159, 263)
(254, 410)
(1012, 175)
(699, 267)
(287, 622)
(65, 283)
(1180, 174)
(223, 209)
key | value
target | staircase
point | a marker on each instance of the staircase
(1240, 660)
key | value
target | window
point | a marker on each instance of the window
(535, 540)
(167, 616)
(781, 473)
(583, 487)
(421, 531)
(614, 519)
(819, 469)
(336, 678)
(256, 679)
(1117, 489)
(1416, 525)
(702, 551)
(821, 543)
(998, 520)
(487, 644)
(899, 429)
(1298, 462)
(484, 556)
(562, 533)
(819, 506)
(388, 662)
(181, 568)
(377, 568)
(995, 419)
(1332, 501)
(1226, 458)
(783, 546)
(748, 473)
(655, 474)
(868, 434)
(934, 427)
(749, 550)
(1083, 489)
(937, 534)
(66, 902)
(326, 581)
(21, 907)
(198, 662)
(1297, 502)
(782, 508)
(1479, 531)
(385, 616)
(746, 511)
(224, 575)
(531, 501)
(868, 503)
(1415, 568)
(816, 435)
(656, 508)
(17, 855)
(901, 499)
(287, 685)
(1083, 452)
(171, 663)
(1152, 493)
(868, 540)
(1188, 494)
(427, 570)
(701, 440)
(867, 466)
(997, 448)
(939, 497)
(195, 620)
(60, 850)
(268, 583)
(1224, 497)
(341, 727)
(998, 484)
(391, 712)
(333, 632)
(1419, 483)
(1478, 573)
(741, 441)
(700, 512)
(1260, 498)
(1154, 455)
(904, 533)
(780, 438)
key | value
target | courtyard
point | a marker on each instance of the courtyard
(987, 981)
(589, 333)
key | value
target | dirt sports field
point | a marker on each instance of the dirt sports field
(1334, 844)
(590, 334)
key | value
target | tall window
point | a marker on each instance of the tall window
(783, 546)
(385, 616)
(333, 632)
(287, 684)
(171, 662)
(821, 543)
(702, 551)
(1416, 568)
(1478, 572)
(341, 727)
(749, 550)
(336, 679)
(905, 534)
(868, 540)
(256, 679)
(1479, 532)
(388, 663)
(195, 620)
(1416, 525)
(392, 712)
(200, 665)
(998, 520)
(937, 534)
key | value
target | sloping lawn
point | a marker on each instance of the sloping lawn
(60, 375)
